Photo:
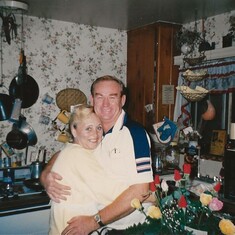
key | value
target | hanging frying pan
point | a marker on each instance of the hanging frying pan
(6, 105)
(23, 86)
(21, 135)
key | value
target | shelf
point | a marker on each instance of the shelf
(211, 55)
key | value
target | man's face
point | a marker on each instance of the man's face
(88, 132)
(107, 101)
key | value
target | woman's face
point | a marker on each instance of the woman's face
(88, 133)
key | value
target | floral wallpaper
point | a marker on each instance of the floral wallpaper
(67, 55)
(59, 55)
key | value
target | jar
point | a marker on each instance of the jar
(172, 156)
(157, 162)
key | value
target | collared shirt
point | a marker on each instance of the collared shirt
(125, 152)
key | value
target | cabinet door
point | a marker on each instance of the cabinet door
(166, 71)
(34, 223)
(150, 58)
(140, 72)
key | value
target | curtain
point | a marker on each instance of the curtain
(220, 78)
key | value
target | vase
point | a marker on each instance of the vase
(186, 49)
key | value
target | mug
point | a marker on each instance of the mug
(44, 119)
(47, 99)
(63, 116)
(63, 137)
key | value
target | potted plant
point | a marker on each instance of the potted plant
(186, 40)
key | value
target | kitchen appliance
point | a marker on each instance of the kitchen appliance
(18, 185)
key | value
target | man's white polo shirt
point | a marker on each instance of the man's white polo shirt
(125, 152)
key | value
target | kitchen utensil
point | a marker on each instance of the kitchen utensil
(6, 105)
(21, 135)
(27, 129)
(23, 86)
(36, 167)
(17, 139)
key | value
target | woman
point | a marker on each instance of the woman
(91, 189)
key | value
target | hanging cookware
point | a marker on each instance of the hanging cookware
(36, 169)
(23, 86)
(21, 135)
(28, 130)
(17, 139)
(6, 105)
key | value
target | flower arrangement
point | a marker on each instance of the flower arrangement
(177, 211)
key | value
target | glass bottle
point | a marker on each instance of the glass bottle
(157, 162)
(172, 156)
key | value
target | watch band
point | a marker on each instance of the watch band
(97, 219)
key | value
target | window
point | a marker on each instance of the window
(224, 116)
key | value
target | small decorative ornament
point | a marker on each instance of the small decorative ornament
(186, 49)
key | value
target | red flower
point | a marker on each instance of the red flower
(182, 203)
(187, 168)
(152, 187)
(217, 187)
(157, 180)
(177, 175)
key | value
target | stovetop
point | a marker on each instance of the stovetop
(16, 189)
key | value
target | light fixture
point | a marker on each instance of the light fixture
(14, 5)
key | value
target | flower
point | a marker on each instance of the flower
(164, 186)
(187, 168)
(227, 227)
(154, 212)
(177, 175)
(177, 210)
(205, 199)
(182, 202)
(135, 203)
(215, 204)
(217, 187)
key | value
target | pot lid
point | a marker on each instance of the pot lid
(6, 105)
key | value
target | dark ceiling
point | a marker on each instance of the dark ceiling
(128, 14)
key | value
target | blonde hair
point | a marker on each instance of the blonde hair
(79, 113)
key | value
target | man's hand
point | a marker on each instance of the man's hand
(55, 190)
(80, 225)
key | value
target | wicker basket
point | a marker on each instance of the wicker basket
(193, 97)
(194, 78)
(194, 61)
(68, 97)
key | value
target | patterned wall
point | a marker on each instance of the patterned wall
(60, 55)
(67, 55)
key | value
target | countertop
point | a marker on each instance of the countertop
(25, 203)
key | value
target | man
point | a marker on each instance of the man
(124, 154)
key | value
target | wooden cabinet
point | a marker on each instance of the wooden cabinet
(150, 64)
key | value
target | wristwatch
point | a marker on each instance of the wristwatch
(97, 219)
